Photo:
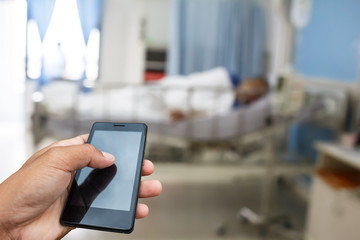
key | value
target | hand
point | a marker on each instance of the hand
(31, 200)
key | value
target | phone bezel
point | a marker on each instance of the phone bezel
(115, 220)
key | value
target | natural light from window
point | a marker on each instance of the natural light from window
(63, 52)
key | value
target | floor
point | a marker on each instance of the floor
(198, 199)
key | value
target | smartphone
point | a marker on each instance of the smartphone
(106, 199)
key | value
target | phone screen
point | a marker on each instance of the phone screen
(117, 193)
(106, 199)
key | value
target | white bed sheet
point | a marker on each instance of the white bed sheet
(213, 128)
(196, 92)
(222, 125)
(152, 105)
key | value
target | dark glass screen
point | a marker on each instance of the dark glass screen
(112, 187)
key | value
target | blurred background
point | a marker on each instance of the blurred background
(252, 106)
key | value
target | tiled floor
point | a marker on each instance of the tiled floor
(196, 199)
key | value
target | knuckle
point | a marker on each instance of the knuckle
(54, 151)
(60, 143)
(91, 148)
(58, 158)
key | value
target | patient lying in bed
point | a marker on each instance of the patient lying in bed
(222, 84)
(213, 92)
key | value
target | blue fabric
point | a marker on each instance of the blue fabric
(234, 78)
(210, 33)
(90, 13)
(41, 11)
(236, 104)
(235, 81)
(301, 139)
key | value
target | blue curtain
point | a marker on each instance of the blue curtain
(210, 33)
(90, 12)
(41, 11)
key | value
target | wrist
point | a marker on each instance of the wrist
(5, 232)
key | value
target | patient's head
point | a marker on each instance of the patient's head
(251, 89)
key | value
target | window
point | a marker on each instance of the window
(63, 53)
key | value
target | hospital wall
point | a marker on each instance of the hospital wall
(328, 47)
(327, 51)
(13, 149)
(128, 27)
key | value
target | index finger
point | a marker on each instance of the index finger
(81, 139)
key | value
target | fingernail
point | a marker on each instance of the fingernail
(109, 156)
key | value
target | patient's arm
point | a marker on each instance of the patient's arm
(177, 115)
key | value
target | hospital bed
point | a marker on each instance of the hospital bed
(67, 111)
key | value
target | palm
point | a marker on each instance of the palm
(49, 222)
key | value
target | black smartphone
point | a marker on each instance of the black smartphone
(106, 199)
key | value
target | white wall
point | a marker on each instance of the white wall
(124, 37)
(122, 45)
(12, 59)
(12, 86)
(280, 37)
(157, 22)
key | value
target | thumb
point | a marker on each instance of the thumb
(72, 158)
